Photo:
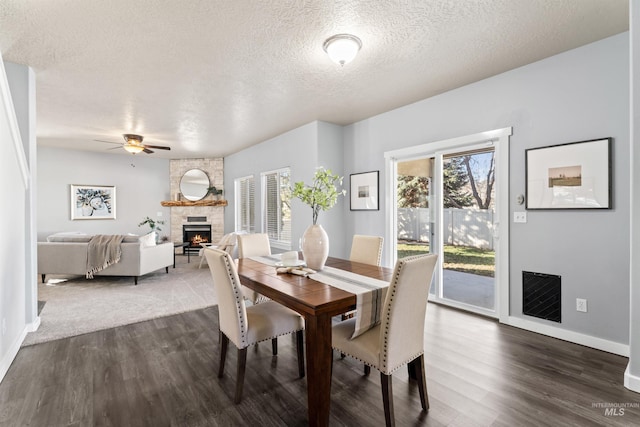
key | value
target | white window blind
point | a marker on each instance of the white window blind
(245, 218)
(277, 207)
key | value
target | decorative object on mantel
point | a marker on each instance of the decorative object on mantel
(214, 192)
(93, 202)
(194, 184)
(321, 195)
(172, 203)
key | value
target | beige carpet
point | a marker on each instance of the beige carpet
(77, 306)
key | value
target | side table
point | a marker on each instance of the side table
(182, 245)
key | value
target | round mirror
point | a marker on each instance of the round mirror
(194, 184)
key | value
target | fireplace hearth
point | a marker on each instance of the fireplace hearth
(195, 234)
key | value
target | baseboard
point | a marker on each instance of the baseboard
(33, 326)
(571, 336)
(7, 360)
(632, 382)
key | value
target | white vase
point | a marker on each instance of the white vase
(315, 247)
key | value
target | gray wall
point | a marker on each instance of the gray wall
(139, 190)
(302, 149)
(578, 95)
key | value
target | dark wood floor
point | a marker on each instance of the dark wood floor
(163, 372)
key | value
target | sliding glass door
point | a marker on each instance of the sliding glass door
(445, 203)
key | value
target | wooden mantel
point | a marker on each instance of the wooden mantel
(194, 203)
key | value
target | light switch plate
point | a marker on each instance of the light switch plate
(520, 217)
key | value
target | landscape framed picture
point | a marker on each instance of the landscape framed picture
(365, 191)
(93, 202)
(576, 175)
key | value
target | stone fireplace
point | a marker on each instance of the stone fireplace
(195, 234)
(209, 215)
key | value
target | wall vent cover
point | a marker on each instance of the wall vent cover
(541, 296)
(196, 219)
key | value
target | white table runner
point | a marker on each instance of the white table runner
(370, 294)
(267, 259)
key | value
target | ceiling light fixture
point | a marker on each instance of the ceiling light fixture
(133, 143)
(342, 48)
(133, 148)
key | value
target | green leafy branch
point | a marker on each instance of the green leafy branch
(153, 224)
(322, 194)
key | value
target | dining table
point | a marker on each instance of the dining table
(317, 302)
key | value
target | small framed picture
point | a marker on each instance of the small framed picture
(576, 175)
(93, 202)
(365, 191)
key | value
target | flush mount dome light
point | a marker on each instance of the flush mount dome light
(342, 48)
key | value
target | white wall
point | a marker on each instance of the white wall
(632, 375)
(14, 224)
(141, 184)
(577, 95)
(302, 149)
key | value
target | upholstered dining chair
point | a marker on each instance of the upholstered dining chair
(399, 338)
(366, 249)
(226, 243)
(255, 244)
(245, 326)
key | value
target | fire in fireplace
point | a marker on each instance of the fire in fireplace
(196, 234)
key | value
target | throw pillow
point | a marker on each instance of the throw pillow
(148, 239)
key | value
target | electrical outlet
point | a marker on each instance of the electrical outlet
(159, 213)
(581, 305)
(520, 217)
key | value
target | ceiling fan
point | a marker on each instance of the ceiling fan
(133, 144)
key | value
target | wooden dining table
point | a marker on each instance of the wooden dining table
(317, 303)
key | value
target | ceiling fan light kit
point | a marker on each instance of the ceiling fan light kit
(133, 148)
(342, 48)
(133, 144)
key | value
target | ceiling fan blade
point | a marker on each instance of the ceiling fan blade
(114, 148)
(146, 150)
(159, 147)
(108, 142)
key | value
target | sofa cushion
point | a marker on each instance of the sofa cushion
(148, 239)
(77, 238)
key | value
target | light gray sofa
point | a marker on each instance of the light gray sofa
(68, 255)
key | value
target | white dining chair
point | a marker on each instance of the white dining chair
(226, 243)
(399, 338)
(366, 249)
(245, 326)
(249, 245)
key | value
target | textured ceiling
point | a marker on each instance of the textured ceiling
(210, 77)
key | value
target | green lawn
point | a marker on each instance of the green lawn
(458, 258)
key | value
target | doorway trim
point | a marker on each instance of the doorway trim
(499, 138)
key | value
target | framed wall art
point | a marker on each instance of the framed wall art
(576, 175)
(93, 202)
(365, 191)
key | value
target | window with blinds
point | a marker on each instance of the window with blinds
(276, 196)
(245, 189)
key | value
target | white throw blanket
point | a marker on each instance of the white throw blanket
(103, 251)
